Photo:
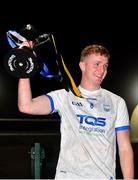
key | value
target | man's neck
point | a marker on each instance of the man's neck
(89, 87)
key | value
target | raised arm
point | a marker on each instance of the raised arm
(26, 104)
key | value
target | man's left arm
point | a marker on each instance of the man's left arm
(125, 154)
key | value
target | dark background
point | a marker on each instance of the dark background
(74, 26)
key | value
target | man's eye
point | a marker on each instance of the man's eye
(106, 66)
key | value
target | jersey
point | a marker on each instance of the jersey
(88, 132)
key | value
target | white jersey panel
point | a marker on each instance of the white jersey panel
(88, 141)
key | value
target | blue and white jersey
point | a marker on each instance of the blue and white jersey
(88, 132)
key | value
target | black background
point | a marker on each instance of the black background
(74, 26)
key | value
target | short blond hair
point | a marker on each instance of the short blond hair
(94, 49)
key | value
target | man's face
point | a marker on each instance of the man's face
(94, 69)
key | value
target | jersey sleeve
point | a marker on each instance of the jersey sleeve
(122, 120)
(56, 99)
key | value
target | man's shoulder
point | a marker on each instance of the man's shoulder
(59, 92)
(112, 94)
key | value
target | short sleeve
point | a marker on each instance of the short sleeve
(56, 99)
(122, 120)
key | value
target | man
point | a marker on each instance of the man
(90, 124)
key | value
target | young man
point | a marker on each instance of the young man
(90, 124)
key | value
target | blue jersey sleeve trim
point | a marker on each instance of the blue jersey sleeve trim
(51, 103)
(122, 128)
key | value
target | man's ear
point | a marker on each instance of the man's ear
(82, 66)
